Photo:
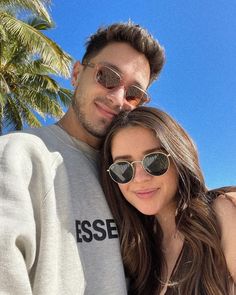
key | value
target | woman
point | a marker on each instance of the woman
(176, 236)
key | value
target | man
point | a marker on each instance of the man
(57, 235)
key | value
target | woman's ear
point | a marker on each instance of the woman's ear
(76, 73)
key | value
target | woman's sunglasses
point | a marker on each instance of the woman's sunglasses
(110, 79)
(155, 164)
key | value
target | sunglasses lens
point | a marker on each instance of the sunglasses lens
(110, 79)
(107, 77)
(136, 96)
(121, 172)
(156, 163)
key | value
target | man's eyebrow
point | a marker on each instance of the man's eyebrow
(114, 67)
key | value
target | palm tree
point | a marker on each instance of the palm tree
(27, 60)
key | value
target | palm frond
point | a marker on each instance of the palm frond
(11, 115)
(37, 43)
(4, 85)
(35, 6)
(34, 67)
(39, 82)
(2, 99)
(27, 60)
(45, 103)
(28, 115)
(39, 23)
(65, 96)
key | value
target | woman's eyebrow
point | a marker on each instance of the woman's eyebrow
(122, 157)
(129, 157)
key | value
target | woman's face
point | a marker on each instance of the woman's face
(151, 195)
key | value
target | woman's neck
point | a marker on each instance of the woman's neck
(167, 223)
(172, 242)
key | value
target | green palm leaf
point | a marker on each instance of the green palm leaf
(35, 6)
(65, 96)
(11, 115)
(28, 62)
(37, 43)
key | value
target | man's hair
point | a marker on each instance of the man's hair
(133, 34)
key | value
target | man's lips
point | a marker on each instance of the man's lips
(105, 110)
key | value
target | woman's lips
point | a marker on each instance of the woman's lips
(146, 193)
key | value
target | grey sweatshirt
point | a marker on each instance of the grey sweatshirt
(57, 235)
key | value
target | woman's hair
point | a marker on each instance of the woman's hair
(141, 236)
(136, 36)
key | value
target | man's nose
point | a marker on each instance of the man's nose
(117, 94)
(117, 97)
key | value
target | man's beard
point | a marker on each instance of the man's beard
(86, 124)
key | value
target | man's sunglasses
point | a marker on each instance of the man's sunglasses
(155, 164)
(108, 78)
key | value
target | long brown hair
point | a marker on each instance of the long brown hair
(141, 235)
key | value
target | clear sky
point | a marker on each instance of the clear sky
(198, 83)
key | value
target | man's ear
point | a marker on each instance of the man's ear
(77, 68)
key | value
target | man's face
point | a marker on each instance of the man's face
(94, 105)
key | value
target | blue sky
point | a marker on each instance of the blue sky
(198, 83)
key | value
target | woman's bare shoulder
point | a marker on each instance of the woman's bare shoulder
(225, 209)
(225, 202)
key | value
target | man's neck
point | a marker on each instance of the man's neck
(70, 124)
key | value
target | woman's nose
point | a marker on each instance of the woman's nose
(139, 173)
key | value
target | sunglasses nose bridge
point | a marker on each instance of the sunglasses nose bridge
(117, 94)
(140, 171)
